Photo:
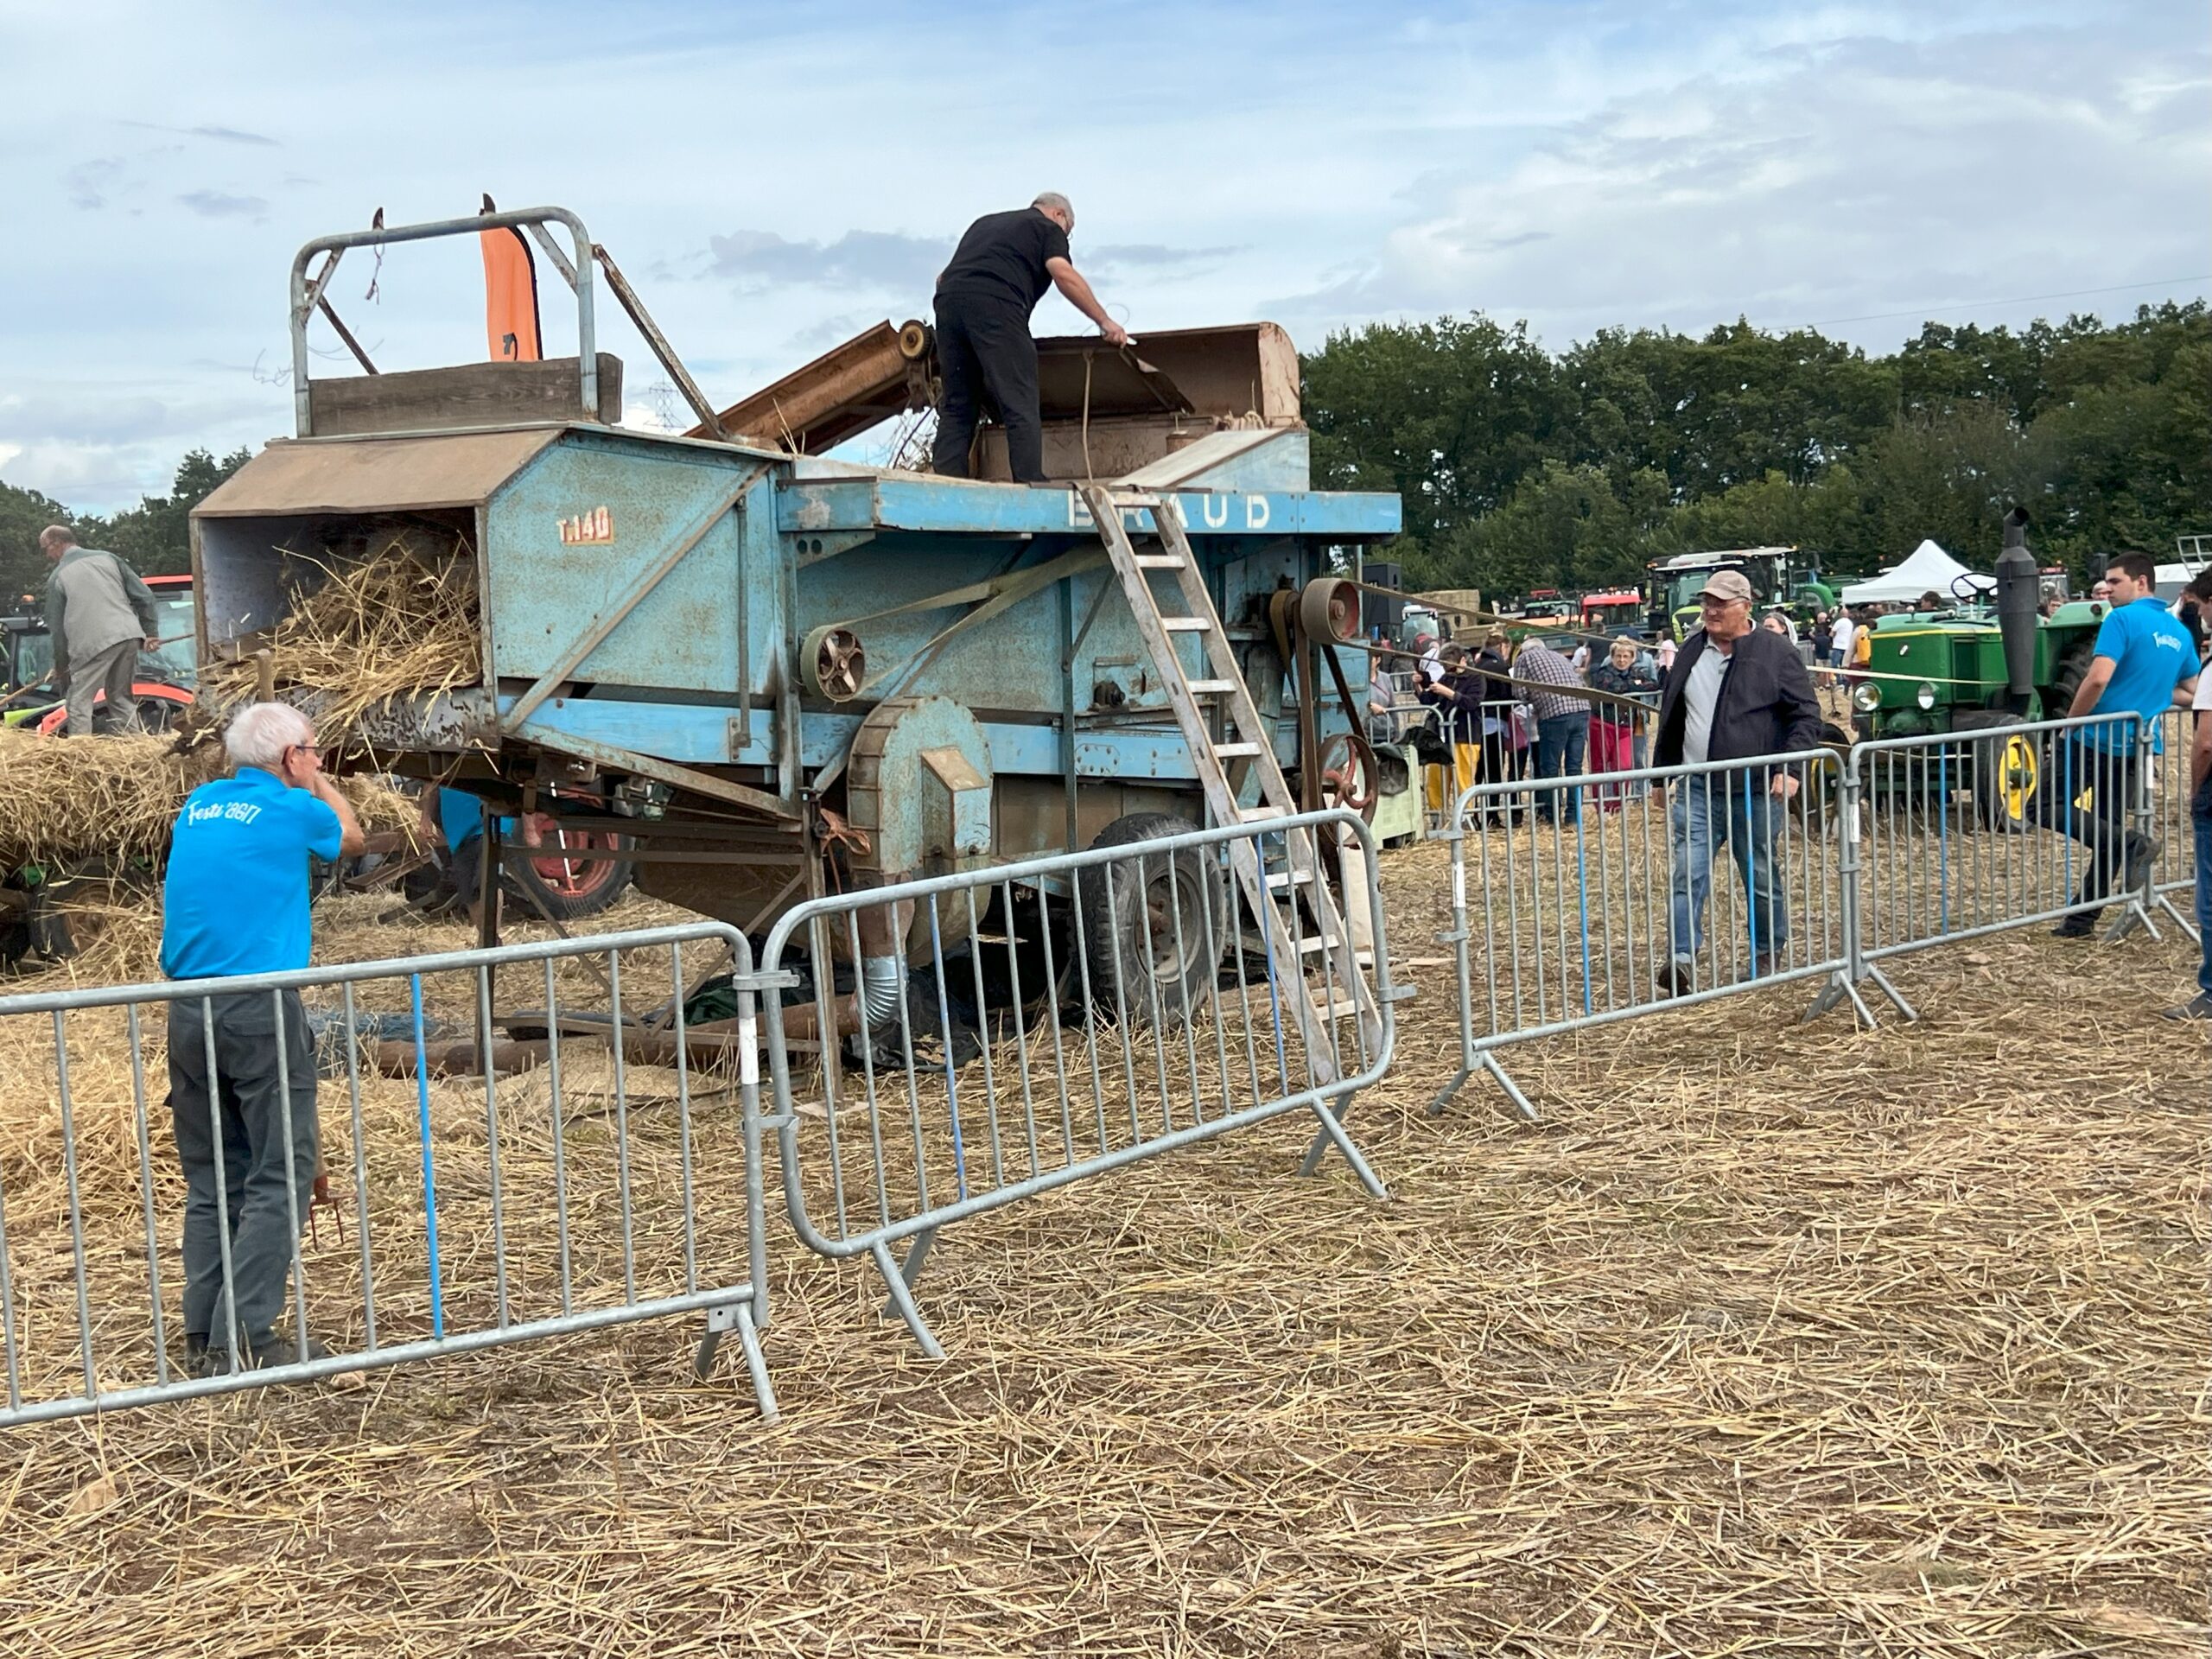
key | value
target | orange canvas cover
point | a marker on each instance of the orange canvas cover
(510, 296)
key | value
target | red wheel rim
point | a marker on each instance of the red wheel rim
(557, 870)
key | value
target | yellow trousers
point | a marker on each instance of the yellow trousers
(1445, 784)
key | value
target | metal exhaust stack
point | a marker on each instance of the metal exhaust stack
(2017, 595)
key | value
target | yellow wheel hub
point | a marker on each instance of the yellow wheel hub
(2019, 776)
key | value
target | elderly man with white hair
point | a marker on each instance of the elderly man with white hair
(235, 901)
(1004, 264)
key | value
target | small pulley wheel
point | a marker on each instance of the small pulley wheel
(1349, 777)
(915, 338)
(1328, 609)
(833, 664)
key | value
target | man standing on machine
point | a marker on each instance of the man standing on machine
(1000, 270)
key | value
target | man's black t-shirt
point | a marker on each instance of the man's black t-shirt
(1003, 256)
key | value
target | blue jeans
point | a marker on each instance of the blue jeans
(1735, 810)
(1560, 744)
(2204, 898)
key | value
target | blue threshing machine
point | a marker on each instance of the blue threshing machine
(771, 670)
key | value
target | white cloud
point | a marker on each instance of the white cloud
(1825, 180)
(1580, 161)
(219, 204)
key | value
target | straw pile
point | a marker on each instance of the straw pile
(1773, 1338)
(381, 807)
(400, 622)
(74, 798)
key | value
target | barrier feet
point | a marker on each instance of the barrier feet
(1331, 1134)
(909, 1269)
(738, 1317)
(1521, 1105)
(1523, 1108)
(2133, 916)
(1882, 981)
(2187, 927)
(1838, 988)
(1444, 1095)
(902, 1294)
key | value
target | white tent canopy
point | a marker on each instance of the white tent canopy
(1929, 568)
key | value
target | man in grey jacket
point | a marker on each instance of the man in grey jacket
(99, 613)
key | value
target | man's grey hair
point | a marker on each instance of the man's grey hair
(259, 733)
(57, 536)
(1052, 201)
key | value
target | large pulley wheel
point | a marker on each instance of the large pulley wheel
(1348, 774)
(833, 664)
(1328, 609)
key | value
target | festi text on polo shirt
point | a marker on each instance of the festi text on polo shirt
(2152, 654)
(236, 899)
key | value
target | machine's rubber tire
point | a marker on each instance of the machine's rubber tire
(2067, 678)
(1138, 967)
(567, 890)
(2006, 771)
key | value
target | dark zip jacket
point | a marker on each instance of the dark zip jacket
(1766, 704)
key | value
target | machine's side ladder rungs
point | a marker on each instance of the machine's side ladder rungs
(1248, 739)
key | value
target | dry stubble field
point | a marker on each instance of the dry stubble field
(1770, 1339)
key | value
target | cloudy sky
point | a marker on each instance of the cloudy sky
(774, 178)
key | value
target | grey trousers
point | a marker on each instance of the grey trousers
(243, 1115)
(110, 670)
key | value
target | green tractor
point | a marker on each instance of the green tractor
(1981, 666)
(1777, 575)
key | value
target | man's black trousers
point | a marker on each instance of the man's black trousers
(240, 1119)
(983, 350)
(2071, 770)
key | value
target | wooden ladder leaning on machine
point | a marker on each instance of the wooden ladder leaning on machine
(1246, 750)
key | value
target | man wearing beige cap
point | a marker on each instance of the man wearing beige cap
(1735, 692)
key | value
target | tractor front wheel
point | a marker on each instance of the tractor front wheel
(2006, 769)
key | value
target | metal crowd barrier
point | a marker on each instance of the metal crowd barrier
(1572, 899)
(1582, 900)
(956, 1045)
(1964, 833)
(2166, 817)
(482, 1213)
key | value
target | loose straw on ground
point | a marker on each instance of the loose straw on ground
(1772, 1339)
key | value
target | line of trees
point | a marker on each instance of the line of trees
(154, 537)
(1522, 469)
(1519, 468)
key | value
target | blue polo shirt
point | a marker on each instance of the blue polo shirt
(461, 818)
(235, 898)
(2153, 654)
